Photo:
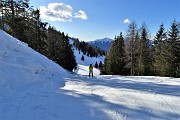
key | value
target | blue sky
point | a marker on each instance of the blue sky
(94, 19)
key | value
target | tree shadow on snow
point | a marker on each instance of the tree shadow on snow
(94, 107)
(151, 87)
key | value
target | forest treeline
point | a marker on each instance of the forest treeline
(22, 21)
(135, 54)
(131, 54)
(87, 49)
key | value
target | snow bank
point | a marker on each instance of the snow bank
(21, 66)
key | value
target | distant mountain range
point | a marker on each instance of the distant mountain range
(104, 43)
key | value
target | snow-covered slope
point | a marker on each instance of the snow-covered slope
(104, 43)
(21, 66)
(32, 88)
(83, 66)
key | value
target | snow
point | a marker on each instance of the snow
(87, 60)
(120, 97)
(84, 70)
(83, 66)
(28, 93)
(21, 66)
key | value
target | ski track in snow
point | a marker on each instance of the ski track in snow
(98, 98)
(128, 102)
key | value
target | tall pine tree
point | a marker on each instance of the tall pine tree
(115, 59)
(144, 60)
(161, 62)
(131, 51)
(174, 43)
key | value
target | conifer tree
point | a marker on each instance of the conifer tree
(60, 50)
(70, 58)
(131, 51)
(96, 65)
(104, 67)
(82, 57)
(66, 58)
(136, 55)
(115, 59)
(100, 65)
(161, 52)
(174, 43)
(90, 51)
(25, 24)
(144, 60)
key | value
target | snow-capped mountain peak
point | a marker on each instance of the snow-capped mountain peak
(106, 40)
(104, 43)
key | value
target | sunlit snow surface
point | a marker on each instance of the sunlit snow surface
(34, 88)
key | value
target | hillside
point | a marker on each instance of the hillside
(21, 66)
(83, 66)
(34, 88)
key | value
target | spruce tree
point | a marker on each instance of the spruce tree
(100, 65)
(174, 43)
(144, 60)
(67, 58)
(161, 52)
(115, 59)
(96, 65)
(82, 57)
(60, 50)
(104, 67)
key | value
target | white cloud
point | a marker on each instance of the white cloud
(81, 14)
(60, 12)
(57, 12)
(126, 21)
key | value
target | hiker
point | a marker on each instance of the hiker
(90, 70)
